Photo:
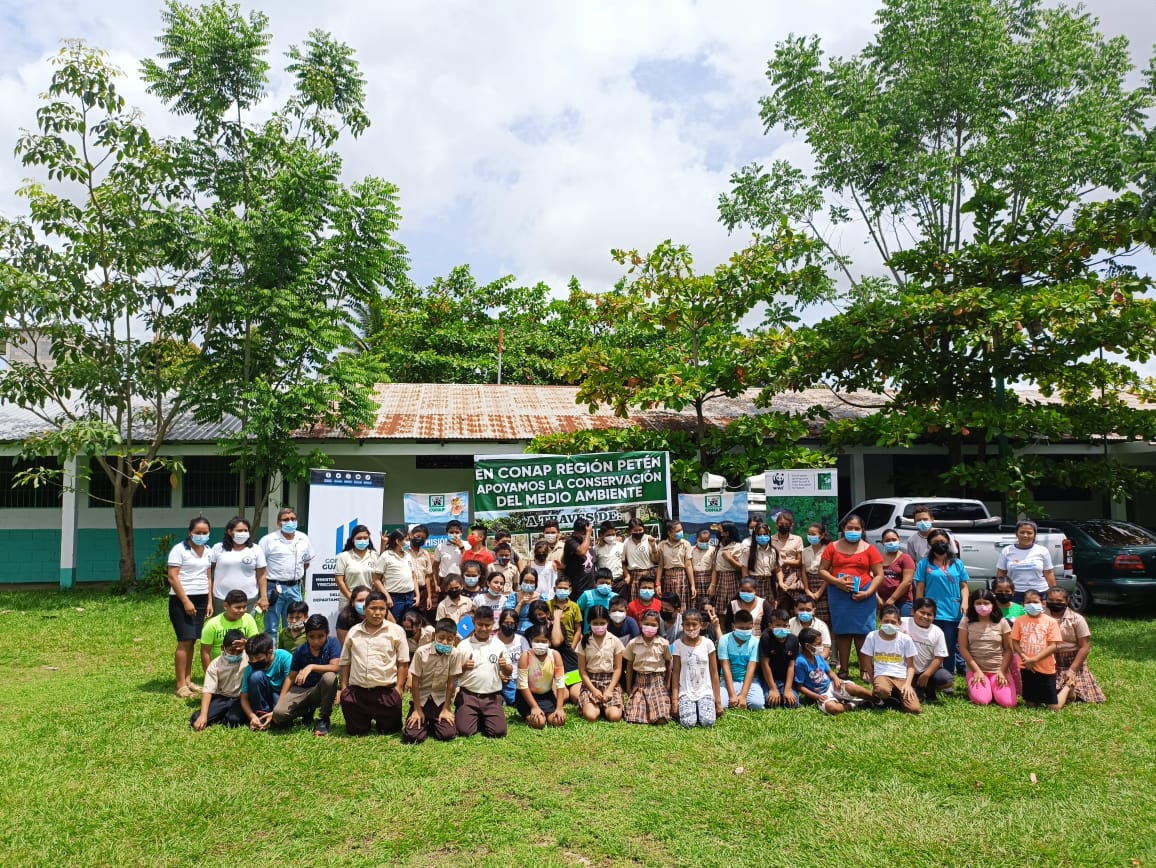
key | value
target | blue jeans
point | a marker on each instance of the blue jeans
(756, 695)
(402, 603)
(277, 616)
(905, 610)
(262, 697)
(510, 691)
(954, 661)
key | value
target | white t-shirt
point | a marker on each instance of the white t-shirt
(929, 643)
(890, 655)
(194, 570)
(547, 576)
(517, 647)
(694, 673)
(1026, 567)
(286, 558)
(449, 558)
(236, 570)
(609, 557)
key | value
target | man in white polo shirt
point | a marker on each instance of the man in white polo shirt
(287, 556)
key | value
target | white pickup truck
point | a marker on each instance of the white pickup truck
(978, 534)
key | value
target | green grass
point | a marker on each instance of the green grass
(99, 766)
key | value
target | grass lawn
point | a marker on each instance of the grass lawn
(100, 767)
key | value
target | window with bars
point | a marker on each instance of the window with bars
(210, 482)
(156, 490)
(13, 496)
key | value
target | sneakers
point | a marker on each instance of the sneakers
(321, 727)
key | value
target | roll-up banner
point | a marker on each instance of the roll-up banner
(698, 511)
(435, 511)
(810, 495)
(339, 500)
(523, 492)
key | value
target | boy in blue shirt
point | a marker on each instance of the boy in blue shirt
(311, 684)
(815, 680)
(263, 680)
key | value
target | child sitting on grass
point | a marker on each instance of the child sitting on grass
(887, 659)
(432, 674)
(738, 654)
(312, 681)
(292, 635)
(221, 698)
(648, 660)
(816, 681)
(778, 649)
(694, 681)
(805, 616)
(263, 679)
(541, 682)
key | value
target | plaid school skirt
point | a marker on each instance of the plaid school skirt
(675, 581)
(701, 583)
(765, 588)
(601, 680)
(649, 700)
(822, 607)
(1084, 688)
(726, 588)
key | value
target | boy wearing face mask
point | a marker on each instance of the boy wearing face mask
(738, 655)
(639, 556)
(608, 553)
(931, 675)
(263, 679)
(311, 684)
(504, 568)
(455, 603)
(647, 600)
(599, 595)
(806, 619)
(448, 556)
(221, 698)
(778, 649)
(485, 668)
(432, 674)
(292, 635)
(917, 544)
(621, 624)
(887, 660)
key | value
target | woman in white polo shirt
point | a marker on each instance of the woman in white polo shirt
(239, 565)
(1028, 563)
(189, 563)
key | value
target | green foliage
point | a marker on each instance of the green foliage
(154, 578)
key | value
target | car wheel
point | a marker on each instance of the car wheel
(1079, 599)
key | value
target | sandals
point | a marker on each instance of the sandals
(186, 692)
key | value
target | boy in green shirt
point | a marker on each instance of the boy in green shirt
(235, 617)
(292, 635)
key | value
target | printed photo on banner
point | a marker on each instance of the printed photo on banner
(435, 511)
(698, 511)
(524, 492)
(811, 495)
(339, 501)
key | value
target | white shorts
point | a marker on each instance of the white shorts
(837, 694)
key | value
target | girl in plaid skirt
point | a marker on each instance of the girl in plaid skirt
(600, 664)
(648, 661)
(1074, 681)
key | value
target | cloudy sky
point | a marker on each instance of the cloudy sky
(526, 137)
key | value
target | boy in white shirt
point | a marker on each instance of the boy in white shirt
(221, 697)
(888, 660)
(931, 651)
(448, 556)
(805, 617)
(485, 666)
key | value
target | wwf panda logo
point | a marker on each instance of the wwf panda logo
(778, 480)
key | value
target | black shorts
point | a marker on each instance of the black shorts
(546, 701)
(188, 627)
(1039, 688)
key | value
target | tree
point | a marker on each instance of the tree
(95, 284)
(670, 337)
(963, 140)
(292, 252)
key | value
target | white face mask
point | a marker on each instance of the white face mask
(540, 648)
(617, 617)
(241, 536)
(550, 537)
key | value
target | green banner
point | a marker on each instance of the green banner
(565, 486)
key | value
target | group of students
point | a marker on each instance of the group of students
(623, 647)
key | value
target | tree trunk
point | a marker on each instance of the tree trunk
(261, 496)
(123, 491)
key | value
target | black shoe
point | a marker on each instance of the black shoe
(321, 727)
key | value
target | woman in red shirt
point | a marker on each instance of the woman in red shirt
(852, 569)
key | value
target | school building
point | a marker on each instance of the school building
(424, 440)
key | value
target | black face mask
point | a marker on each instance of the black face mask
(455, 595)
(508, 629)
(636, 536)
(668, 616)
(1004, 598)
(260, 664)
(417, 543)
(1057, 608)
(784, 528)
(940, 548)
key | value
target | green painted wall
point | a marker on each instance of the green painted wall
(98, 553)
(34, 556)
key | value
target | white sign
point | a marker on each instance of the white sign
(801, 483)
(339, 500)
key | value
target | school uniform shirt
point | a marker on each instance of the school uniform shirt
(424, 637)
(890, 655)
(214, 630)
(396, 572)
(945, 586)
(447, 608)
(758, 612)
(547, 576)
(985, 641)
(735, 550)
(694, 681)
(421, 563)
(636, 556)
(433, 671)
(811, 561)
(223, 678)
(1073, 628)
(819, 624)
(449, 560)
(1035, 634)
(236, 570)
(737, 655)
(357, 568)
(509, 574)
(373, 658)
(192, 569)
(1026, 567)
(703, 561)
(791, 547)
(609, 557)
(929, 643)
(484, 678)
(815, 676)
(766, 558)
(286, 558)
(277, 670)
(303, 656)
(600, 652)
(648, 655)
(673, 555)
(778, 654)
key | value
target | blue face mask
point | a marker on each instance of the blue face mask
(763, 538)
(359, 608)
(813, 540)
(604, 590)
(471, 581)
(889, 629)
(289, 527)
(361, 544)
(704, 545)
(441, 648)
(923, 526)
(561, 595)
(679, 535)
(646, 594)
(806, 617)
(852, 535)
(1034, 609)
(232, 658)
(742, 635)
(781, 632)
(747, 596)
(199, 539)
(891, 546)
(528, 589)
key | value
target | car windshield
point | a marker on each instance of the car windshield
(1113, 533)
(952, 511)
